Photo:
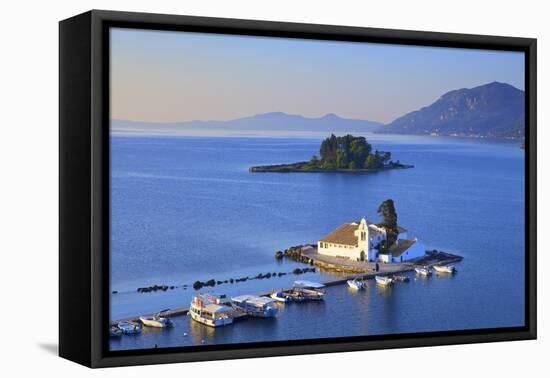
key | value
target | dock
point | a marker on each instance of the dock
(432, 258)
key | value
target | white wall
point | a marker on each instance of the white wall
(28, 158)
(416, 250)
(337, 250)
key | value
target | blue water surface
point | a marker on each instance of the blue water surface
(187, 208)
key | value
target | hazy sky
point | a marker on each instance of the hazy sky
(162, 76)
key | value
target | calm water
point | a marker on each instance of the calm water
(186, 209)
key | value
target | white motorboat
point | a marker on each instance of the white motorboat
(356, 284)
(444, 269)
(156, 320)
(129, 328)
(423, 271)
(383, 280)
(254, 305)
(307, 291)
(280, 296)
(211, 310)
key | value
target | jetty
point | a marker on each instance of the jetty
(360, 270)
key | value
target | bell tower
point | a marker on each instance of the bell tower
(362, 234)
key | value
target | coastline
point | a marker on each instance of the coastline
(298, 168)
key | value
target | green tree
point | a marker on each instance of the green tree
(389, 220)
(351, 152)
(341, 160)
(359, 150)
(328, 150)
(372, 162)
(328, 164)
(385, 157)
(314, 161)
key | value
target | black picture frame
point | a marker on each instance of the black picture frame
(84, 187)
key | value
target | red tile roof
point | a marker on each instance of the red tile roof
(345, 234)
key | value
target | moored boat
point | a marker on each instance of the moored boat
(211, 310)
(356, 284)
(308, 291)
(281, 296)
(255, 305)
(423, 271)
(114, 331)
(401, 278)
(444, 268)
(156, 320)
(129, 328)
(383, 280)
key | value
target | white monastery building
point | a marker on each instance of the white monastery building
(360, 240)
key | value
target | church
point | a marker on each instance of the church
(359, 241)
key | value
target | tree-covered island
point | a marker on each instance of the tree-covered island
(340, 154)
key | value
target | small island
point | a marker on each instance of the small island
(340, 154)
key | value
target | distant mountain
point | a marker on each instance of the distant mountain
(276, 121)
(491, 110)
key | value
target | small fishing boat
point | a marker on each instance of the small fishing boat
(280, 296)
(356, 284)
(114, 331)
(308, 291)
(156, 320)
(444, 269)
(255, 306)
(401, 278)
(211, 310)
(423, 271)
(129, 328)
(383, 280)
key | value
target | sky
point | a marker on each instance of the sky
(166, 76)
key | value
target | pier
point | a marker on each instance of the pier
(355, 269)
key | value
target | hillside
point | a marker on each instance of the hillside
(491, 110)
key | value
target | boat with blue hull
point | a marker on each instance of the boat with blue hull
(114, 331)
(280, 296)
(129, 328)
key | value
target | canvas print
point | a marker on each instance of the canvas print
(270, 189)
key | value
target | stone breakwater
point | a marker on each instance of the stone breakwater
(296, 253)
(197, 285)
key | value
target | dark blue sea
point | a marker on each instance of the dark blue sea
(186, 209)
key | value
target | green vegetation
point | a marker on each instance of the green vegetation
(347, 153)
(389, 221)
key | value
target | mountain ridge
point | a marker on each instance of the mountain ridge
(490, 110)
(271, 121)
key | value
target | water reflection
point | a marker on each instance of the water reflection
(200, 333)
